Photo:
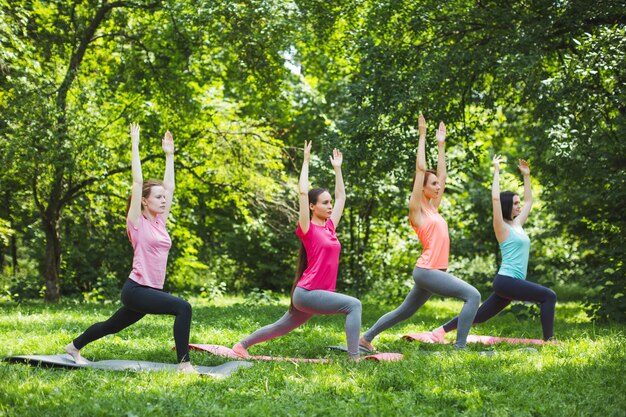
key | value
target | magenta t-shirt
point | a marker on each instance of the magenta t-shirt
(322, 252)
(151, 244)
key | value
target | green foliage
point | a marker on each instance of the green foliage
(242, 85)
(63, 148)
(257, 297)
(540, 81)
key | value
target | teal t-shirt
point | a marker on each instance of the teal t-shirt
(515, 251)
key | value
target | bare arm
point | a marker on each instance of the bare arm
(340, 191)
(415, 210)
(168, 178)
(442, 173)
(303, 188)
(134, 210)
(528, 193)
(499, 225)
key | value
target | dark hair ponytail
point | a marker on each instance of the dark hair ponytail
(302, 258)
(506, 203)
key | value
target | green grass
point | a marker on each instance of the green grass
(582, 376)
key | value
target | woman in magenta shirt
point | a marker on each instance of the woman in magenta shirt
(148, 209)
(313, 290)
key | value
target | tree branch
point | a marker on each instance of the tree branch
(76, 189)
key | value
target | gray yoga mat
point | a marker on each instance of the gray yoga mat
(345, 348)
(66, 361)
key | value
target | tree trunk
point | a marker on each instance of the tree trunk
(52, 262)
(14, 252)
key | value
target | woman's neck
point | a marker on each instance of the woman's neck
(149, 215)
(318, 221)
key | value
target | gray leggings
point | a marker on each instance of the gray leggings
(427, 283)
(305, 305)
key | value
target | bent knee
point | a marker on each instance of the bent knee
(550, 296)
(355, 305)
(183, 307)
(473, 296)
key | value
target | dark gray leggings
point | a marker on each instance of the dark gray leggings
(138, 301)
(507, 289)
(306, 304)
(427, 283)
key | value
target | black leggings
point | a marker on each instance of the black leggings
(138, 301)
(507, 289)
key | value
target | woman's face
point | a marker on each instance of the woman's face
(323, 208)
(432, 188)
(517, 207)
(155, 202)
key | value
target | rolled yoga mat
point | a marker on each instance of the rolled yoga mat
(66, 361)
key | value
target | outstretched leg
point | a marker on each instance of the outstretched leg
(292, 319)
(413, 301)
(120, 320)
(492, 306)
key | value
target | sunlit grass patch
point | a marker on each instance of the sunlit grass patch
(583, 375)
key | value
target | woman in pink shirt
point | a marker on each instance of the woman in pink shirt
(149, 206)
(430, 269)
(313, 290)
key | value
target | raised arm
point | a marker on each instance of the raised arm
(499, 225)
(340, 191)
(415, 210)
(442, 173)
(134, 210)
(168, 178)
(528, 193)
(303, 188)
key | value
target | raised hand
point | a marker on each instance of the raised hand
(496, 161)
(336, 159)
(523, 167)
(307, 150)
(168, 143)
(441, 133)
(134, 133)
(421, 125)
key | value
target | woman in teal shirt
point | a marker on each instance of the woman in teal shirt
(510, 282)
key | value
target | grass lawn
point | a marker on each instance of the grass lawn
(582, 376)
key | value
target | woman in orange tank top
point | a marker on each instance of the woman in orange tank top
(430, 269)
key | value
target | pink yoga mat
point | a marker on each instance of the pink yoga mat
(227, 352)
(384, 357)
(426, 337)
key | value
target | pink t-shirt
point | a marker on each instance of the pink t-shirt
(151, 244)
(322, 251)
(433, 233)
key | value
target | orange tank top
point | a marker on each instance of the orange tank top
(433, 234)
